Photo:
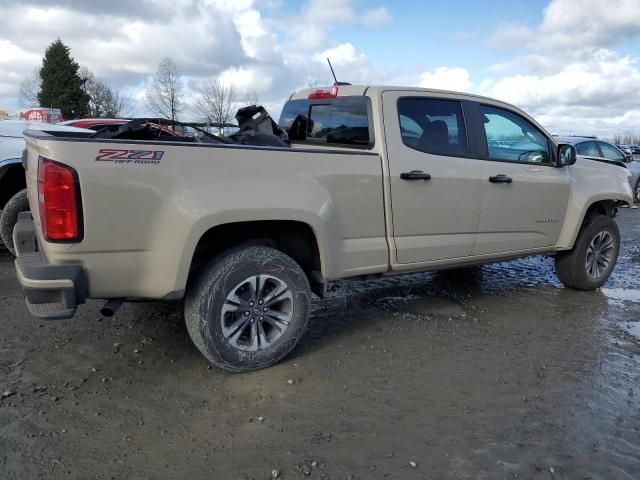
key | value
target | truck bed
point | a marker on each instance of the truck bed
(145, 205)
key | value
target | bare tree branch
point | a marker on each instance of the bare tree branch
(251, 98)
(119, 103)
(29, 88)
(215, 103)
(104, 101)
(164, 98)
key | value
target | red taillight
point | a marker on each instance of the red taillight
(322, 93)
(58, 201)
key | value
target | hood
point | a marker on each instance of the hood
(603, 167)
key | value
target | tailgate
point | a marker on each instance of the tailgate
(30, 163)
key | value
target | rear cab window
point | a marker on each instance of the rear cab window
(341, 121)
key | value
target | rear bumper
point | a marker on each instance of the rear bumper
(52, 292)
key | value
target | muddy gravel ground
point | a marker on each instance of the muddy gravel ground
(499, 372)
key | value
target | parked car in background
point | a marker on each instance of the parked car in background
(13, 195)
(39, 114)
(604, 151)
(626, 149)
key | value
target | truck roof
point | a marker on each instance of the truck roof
(372, 90)
(334, 91)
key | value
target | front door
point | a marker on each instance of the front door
(436, 184)
(525, 196)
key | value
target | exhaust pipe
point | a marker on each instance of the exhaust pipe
(111, 307)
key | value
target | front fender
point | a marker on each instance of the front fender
(592, 182)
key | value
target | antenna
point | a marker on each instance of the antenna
(335, 80)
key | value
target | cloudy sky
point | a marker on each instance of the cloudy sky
(571, 63)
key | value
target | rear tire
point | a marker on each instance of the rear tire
(2, 247)
(16, 204)
(594, 255)
(248, 308)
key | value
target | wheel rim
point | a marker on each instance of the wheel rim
(256, 313)
(599, 255)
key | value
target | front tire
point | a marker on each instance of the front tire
(636, 192)
(594, 255)
(248, 308)
(16, 204)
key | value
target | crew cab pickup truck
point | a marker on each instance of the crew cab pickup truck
(373, 181)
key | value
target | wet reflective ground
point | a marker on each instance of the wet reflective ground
(497, 372)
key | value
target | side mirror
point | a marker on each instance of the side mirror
(628, 158)
(566, 155)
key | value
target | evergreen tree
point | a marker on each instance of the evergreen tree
(61, 86)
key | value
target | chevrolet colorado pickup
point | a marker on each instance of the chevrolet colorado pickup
(371, 181)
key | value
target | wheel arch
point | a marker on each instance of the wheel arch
(598, 206)
(295, 238)
(12, 180)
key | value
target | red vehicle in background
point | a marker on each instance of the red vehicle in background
(113, 124)
(44, 115)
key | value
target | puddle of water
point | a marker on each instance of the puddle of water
(633, 329)
(435, 306)
(622, 294)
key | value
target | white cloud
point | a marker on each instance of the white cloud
(343, 54)
(575, 27)
(565, 70)
(377, 16)
(309, 28)
(258, 46)
(447, 78)
(567, 73)
(598, 94)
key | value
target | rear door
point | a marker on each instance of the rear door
(524, 195)
(435, 181)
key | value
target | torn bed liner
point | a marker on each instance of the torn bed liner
(256, 127)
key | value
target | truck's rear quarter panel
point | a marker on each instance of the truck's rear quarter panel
(142, 222)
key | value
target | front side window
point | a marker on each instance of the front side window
(340, 121)
(511, 138)
(587, 149)
(433, 126)
(610, 152)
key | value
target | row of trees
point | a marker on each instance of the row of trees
(626, 138)
(62, 83)
(76, 91)
(215, 103)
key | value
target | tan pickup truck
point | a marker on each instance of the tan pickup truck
(373, 181)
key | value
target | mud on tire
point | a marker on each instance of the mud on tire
(225, 319)
(572, 267)
(16, 204)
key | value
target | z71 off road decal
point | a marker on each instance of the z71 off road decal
(138, 157)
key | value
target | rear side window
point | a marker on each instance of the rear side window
(341, 121)
(433, 126)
